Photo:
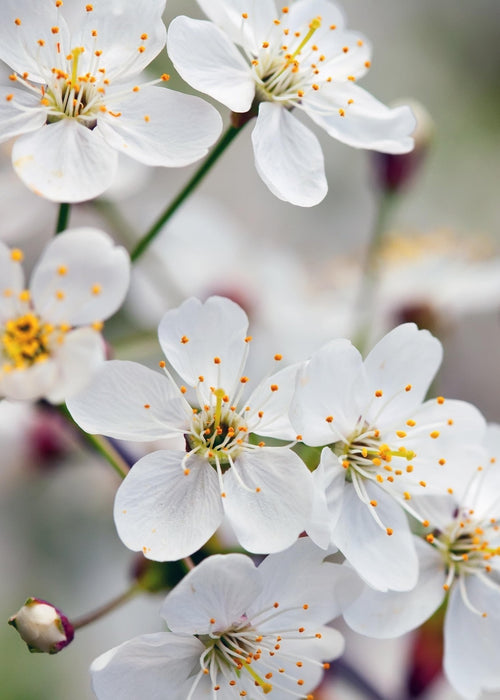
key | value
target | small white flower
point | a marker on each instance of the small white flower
(73, 103)
(298, 57)
(237, 631)
(460, 559)
(386, 445)
(49, 334)
(171, 502)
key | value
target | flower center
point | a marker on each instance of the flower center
(217, 432)
(25, 340)
(286, 64)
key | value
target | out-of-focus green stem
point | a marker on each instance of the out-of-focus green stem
(63, 217)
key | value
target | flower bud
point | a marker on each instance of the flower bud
(42, 626)
(393, 171)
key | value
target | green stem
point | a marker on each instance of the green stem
(198, 176)
(63, 217)
(101, 445)
(106, 608)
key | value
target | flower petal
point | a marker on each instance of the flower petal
(288, 157)
(471, 641)
(213, 595)
(329, 482)
(80, 354)
(130, 402)
(402, 366)
(31, 383)
(208, 340)
(273, 506)
(363, 123)
(165, 510)
(82, 277)
(391, 614)
(207, 60)
(329, 393)
(20, 112)
(130, 33)
(274, 396)
(158, 126)
(384, 562)
(23, 25)
(249, 31)
(12, 282)
(65, 162)
(139, 667)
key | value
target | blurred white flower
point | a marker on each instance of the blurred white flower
(72, 101)
(460, 559)
(237, 630)
(171, 502)
(298, 57)
(49, 334)
(387, 445)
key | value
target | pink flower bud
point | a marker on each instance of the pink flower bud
(42, 626)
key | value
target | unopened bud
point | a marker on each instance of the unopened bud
(393, 171)
(42, 626)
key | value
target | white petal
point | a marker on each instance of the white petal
(65, 162)
(20, 112)
(471, 641)
(90, 271)
(272, 517)
(300, 577)
(130, 402)
(12, 282)
(158, 126)
(329, 483)
(77, 359)
(303, 11)
(207, 60)
(32, 383)
(19, 46)
(228, 14)
(329, 386)
(273, 404)
(166, 511)
(391, 614)
(366, 122)
(405, 357)
(142, 666)
(122, 26)
(196, 333)
(221, 588)
(384, 562)
(288, 157)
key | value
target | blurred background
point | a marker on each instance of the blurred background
(298, 274)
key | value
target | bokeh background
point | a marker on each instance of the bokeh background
(296, 271)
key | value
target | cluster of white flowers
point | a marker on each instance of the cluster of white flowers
(399, 512)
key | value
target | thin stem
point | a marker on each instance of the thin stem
(63, 217)
(106, 608)
(188, 563)
(101, 445)
(198, 176)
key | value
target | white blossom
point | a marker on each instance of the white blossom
(384, 444)
(237, 631)
(300, 57)
(74, 102)
(172, 501)
(50, 341)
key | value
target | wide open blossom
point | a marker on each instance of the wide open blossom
(172, 501)
(73, 100)
(237, 631)
(298, 57)
(50, 341)
(460, 560)
(385, 445)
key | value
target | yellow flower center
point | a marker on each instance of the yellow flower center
(26, 340)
